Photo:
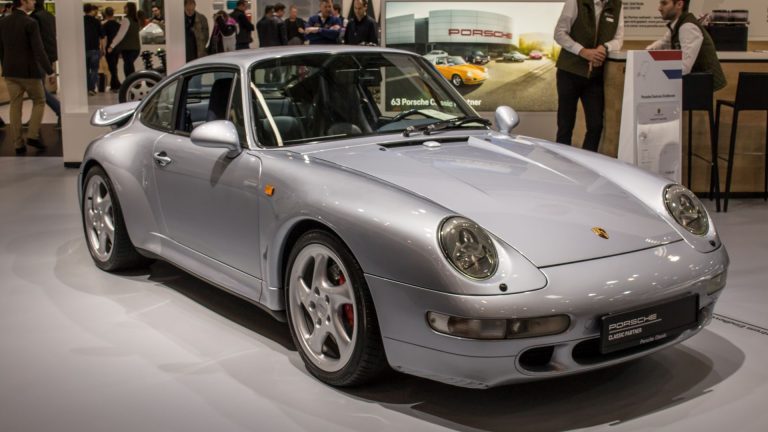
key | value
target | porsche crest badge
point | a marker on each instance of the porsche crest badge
(600, 232)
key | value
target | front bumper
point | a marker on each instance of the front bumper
(584, 291)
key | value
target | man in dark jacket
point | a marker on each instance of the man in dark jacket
(267, 28)
(111, 28)
(362, 29)
(587, 31)
(294, 27)
(47, 23)
(281, 32)
(686, 34)
(244, 38)
(22, 56)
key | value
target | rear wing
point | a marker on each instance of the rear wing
(114, 115)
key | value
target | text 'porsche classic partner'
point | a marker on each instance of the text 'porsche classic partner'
(353, 193)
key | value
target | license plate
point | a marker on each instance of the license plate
(649, 324)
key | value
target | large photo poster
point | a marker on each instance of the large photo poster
(494, 53)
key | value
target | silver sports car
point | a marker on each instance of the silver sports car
(353, 193)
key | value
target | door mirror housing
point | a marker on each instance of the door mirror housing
(217, 134)
(506, 119)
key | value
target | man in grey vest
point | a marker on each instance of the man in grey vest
(685, 34)
(587, 30)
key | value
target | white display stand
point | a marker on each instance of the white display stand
(651, 134)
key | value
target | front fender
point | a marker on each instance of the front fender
(391, 231)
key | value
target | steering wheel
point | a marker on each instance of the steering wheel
(405, 114)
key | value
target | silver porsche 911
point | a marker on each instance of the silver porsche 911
(354, 194)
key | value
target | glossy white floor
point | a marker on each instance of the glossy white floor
(83, 350)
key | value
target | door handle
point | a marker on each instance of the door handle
(162, 159)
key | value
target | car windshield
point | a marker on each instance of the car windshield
(317, 97)
(456, 60)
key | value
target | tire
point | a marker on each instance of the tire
(456, 80)
(328, 303)
(138, 85)
(105, 234)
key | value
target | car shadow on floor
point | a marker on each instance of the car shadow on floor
(230, 306)
(608, 396)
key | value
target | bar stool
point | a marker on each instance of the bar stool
(751, 95)
(698, 94)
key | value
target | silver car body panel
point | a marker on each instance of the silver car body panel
(385, 196)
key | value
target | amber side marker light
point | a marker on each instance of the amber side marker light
(269, 190)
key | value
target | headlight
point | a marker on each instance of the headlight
(468, 248)
(469, 74)
(687, 210)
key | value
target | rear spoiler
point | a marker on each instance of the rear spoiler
(114, 115)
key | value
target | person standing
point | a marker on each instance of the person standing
(22, 56)
(93, 46)
(111, 28)
(323, 28)
(266, 28)
(281, 32)
(47, 23)
(196, 26)
(587, 31)
(294, 27)
(685, 33)
(157, 17)
(126, 41)
(362, 29)
(244, 35)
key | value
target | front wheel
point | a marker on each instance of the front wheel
(330, 312)
(456, 81)
(138, 85)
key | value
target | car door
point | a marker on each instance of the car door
(209, 199)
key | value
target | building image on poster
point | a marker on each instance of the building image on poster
(494, 53)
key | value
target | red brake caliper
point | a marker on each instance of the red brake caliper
(349, 312)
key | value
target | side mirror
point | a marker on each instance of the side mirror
(217, 134)
(506, 119)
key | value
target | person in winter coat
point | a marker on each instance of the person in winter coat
(224, 34)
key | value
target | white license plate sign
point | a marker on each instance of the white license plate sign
(649, 324)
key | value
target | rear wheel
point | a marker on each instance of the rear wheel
(330, 312)
(105, 232)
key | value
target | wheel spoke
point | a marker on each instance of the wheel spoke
(339, 295)
(109, 231)
(105, 203)
(102, 241)
(317, 340)
(320, 272)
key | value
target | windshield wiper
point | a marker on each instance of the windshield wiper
(428, 129)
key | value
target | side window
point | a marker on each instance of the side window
(158, 112)
(204, 97)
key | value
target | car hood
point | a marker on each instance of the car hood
(537, 201)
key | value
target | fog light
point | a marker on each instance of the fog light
(515, 328)
(716, 283)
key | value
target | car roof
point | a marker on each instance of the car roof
(245, 58)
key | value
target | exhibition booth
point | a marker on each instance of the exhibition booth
(323, 238)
